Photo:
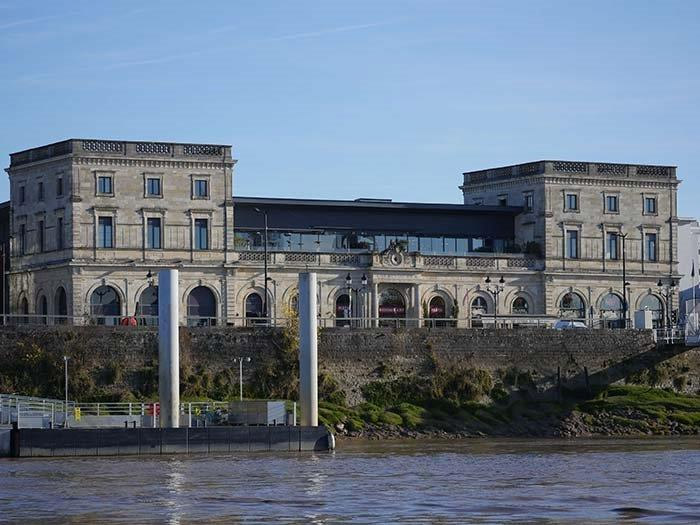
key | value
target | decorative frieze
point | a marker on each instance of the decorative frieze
(653, 171)
(153, 148)
(103, 146)
(479, 262)
(300, 257)
(345, 259)
(612, 169)
(570, 167)
(438, 260)
(202, 149)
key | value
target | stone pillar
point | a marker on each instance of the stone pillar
(375, 305)
(168, 349)
(417, 306)
(308, 349)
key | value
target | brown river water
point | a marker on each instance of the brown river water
(461, 481)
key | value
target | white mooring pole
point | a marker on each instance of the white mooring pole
(168, 349)
(308, 350)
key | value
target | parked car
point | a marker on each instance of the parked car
(569, 325)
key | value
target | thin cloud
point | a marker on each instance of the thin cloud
(27, 21)
(156, 60)
(310, 34)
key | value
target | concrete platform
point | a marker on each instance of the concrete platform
(37, 442)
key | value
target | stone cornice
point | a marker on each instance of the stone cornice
(469, 189)
(152, 163)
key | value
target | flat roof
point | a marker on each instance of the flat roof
(378, 204)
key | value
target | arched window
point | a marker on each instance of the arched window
(60, 306)
(611, 310)
(254, 308)
(520, 306)
(654, 304)
(391, 306)
(105, 306)
(201, 307)
(438, 311)
(42, 309)
(342, 310)
(24, 310)
(147, 307)
(479, 308)
(572, 306)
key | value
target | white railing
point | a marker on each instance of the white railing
(36, 412)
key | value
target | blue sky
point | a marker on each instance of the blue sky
(391, 99)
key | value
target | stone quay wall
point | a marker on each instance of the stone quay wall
(356, 357)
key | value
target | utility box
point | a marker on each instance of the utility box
(257, 413)
(643, 320)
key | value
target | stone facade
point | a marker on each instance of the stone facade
(69, 197)
(596, 201)
(67, 188)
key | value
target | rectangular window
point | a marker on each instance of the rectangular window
(572, 201)
(201, 188)
(40, 191)
(611, 204)
(201, 234)
(22, 239)
(502, 200)
(528, 201)
(650, 205)
(105, 234)
(153, 228)
(572, 243)
(612, 246)
(59, 233)
(40, 235)
(104, 185)
(22, 195)
(153, 187)
(650, 248)
(59, 186)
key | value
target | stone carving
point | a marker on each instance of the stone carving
(201, 149)
(571, 167)
(155, 148)
(654, 171)
(612, 169)
(438, 260)
(345, 259)
(480, 262)
(300, 257)
(103, 146)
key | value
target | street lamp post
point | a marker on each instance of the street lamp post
(65, 404)
(348, 284)
(667, 289)
(264, 213)
(240, 360)
(495, 290)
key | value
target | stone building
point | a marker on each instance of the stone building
(689, 259)
(93, 220)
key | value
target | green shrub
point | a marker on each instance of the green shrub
(390, 418)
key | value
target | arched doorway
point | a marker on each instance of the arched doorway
(342, 310)
(611, 311)
(254, 309)
(572, 306)
(437, 311)
(24, 310)
(392, 308)
(42, 309)
(653, 304)
(201, 307)
(520, 306)
(60, 306)
(105, 306)
(479, 308)
(147, 307)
